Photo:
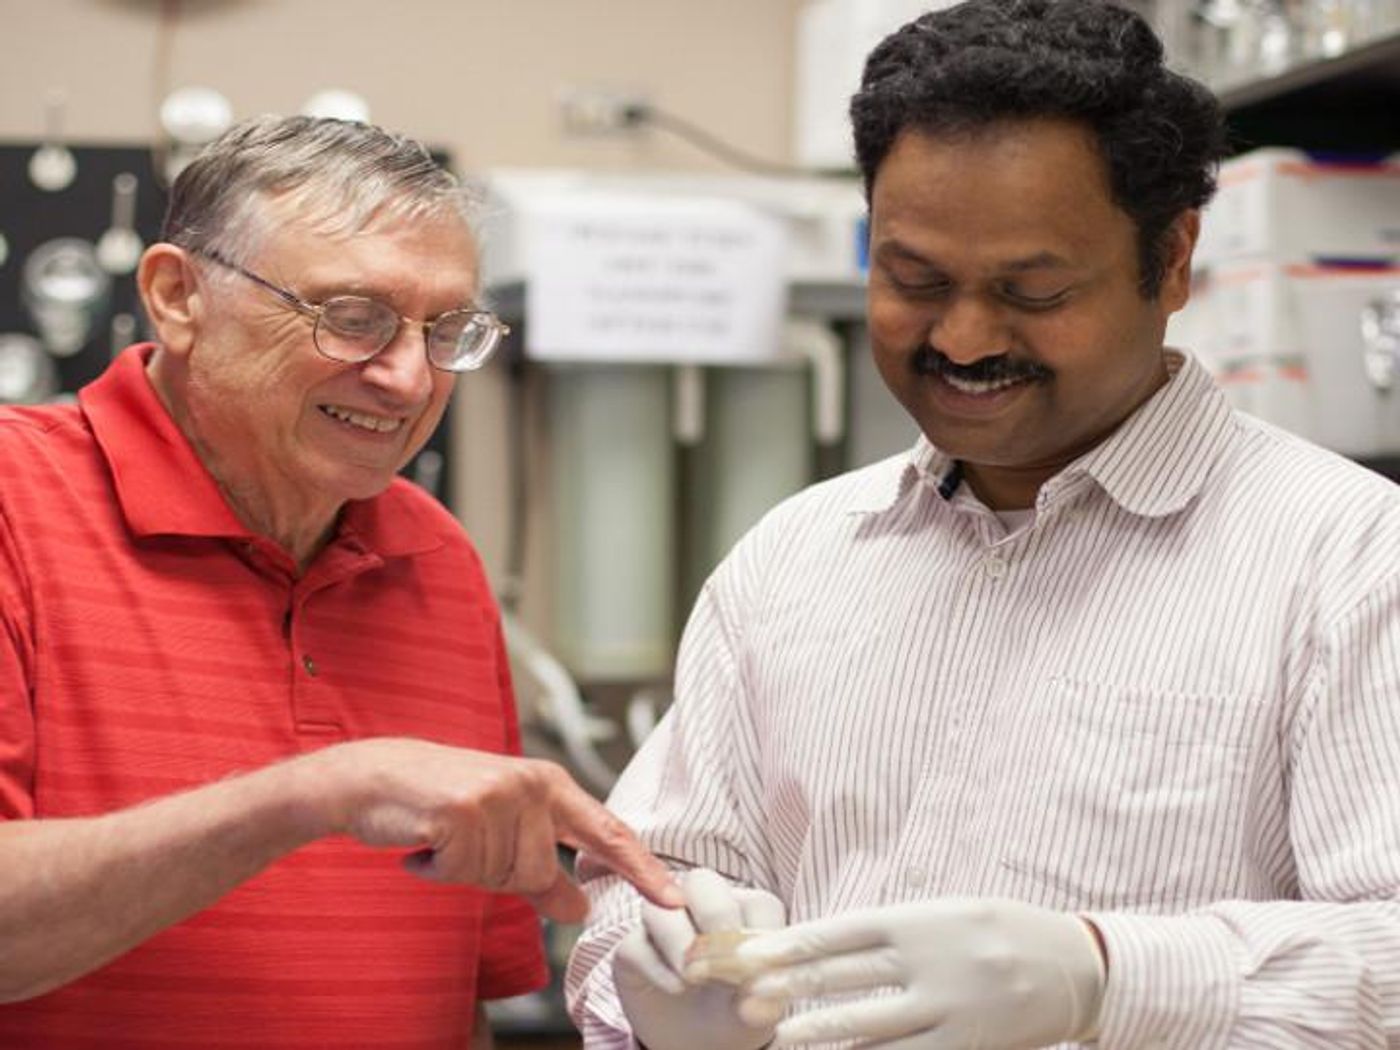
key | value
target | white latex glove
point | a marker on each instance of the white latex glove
(969, 974)
(666, 1013)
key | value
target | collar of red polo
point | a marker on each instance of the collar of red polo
(165, 489)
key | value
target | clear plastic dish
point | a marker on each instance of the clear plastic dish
(714, 957)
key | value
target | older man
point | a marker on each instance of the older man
(246, 674)
(1080, 721)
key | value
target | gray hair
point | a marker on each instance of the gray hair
(339, 175)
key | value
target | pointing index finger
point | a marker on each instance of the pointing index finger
(583, 821)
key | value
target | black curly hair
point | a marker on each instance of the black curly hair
(983, 62)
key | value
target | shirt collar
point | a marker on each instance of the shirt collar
(1152, 465)
(888, 487)
(1157, 461)
(164, 488)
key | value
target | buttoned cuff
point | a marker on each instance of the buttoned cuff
(1173, 982)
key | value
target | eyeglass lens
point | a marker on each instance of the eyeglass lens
(352, 328)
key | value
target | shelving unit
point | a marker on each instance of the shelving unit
(1346, 104)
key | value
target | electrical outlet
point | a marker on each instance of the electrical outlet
(594, 111)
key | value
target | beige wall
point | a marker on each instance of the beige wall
(478, 77)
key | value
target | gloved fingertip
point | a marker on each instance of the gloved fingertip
(770, 986)
(761, 1011)
(671, 984)
(636, 966)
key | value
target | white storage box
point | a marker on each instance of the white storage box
(1283, 205)
(1285, 341)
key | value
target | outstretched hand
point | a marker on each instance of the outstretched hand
(489, 820)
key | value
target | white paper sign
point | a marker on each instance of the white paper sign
(625, 278)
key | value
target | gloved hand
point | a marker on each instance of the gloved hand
(666, 1013)
(970, 975)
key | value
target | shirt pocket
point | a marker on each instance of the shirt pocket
(1130, 797)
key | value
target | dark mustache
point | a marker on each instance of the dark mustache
(927, 361)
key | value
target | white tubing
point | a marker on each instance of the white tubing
(817, 343)
(688, 422)
(563, 710)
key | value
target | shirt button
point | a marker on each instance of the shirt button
(309, 664)
(916, 876)
(994, 567)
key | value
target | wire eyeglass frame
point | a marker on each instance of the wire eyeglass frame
(354, 348)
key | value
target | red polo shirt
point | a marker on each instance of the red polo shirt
(151, 643)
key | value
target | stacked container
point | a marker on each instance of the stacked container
(1296, 296)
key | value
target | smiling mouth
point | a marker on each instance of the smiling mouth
(976, 389)
(983, 388)
(986, 377)
(362, 420)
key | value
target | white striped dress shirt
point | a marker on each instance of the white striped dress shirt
(1171, 703)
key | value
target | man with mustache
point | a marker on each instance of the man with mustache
(1080, 721)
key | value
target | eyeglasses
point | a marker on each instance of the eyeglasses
(352, 328)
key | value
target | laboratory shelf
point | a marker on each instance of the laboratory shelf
(1349, 104)
(1371, 66)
